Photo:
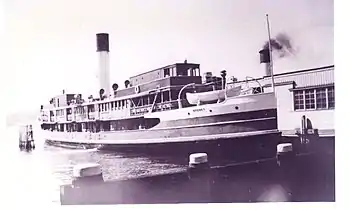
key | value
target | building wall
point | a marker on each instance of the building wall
(288, 118)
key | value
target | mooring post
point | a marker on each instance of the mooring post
(284, 154)
(285, 158)
(85, 177)
(87, 174)
(200, 177)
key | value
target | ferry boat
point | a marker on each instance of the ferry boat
(172, 109)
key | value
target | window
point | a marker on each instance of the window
(90, 108)
(314, 99)
(151, 98)
(309, 99)
(330, 93)
(145, 100)
(174, 94)
(166, 96)
(173, 70)
(299, 100)
(158, 98)
(166, 72)
(321, 102)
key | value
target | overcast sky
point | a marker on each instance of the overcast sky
(50, 45)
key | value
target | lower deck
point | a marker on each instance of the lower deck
(224, 126)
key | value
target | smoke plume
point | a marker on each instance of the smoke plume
(281, 44)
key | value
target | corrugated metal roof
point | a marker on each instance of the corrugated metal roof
(316, 77)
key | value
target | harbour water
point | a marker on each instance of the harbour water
(35, 176)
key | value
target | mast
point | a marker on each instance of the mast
(271, 55)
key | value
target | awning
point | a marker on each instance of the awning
(312, 87)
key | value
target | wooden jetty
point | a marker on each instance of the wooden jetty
(26, 138)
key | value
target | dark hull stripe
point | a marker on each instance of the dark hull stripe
(215, 124)
(236, 149)
(244, 126)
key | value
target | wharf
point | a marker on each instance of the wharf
(302, 177)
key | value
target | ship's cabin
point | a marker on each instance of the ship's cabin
(174, 70)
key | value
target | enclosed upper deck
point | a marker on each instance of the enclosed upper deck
(174, 70)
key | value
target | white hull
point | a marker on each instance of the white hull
(206, 122)
(112, 138)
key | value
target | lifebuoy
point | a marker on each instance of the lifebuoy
(137, 89)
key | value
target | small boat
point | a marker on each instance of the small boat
(212, 96)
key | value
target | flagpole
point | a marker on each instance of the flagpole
(271, 56)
